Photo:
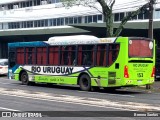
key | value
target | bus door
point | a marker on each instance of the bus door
(12, 57)
(113, 72)
(11, 62)
(141, 64)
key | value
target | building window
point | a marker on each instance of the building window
(10, 6)
(128, 13)
(86, 19)
(89, 19)
(58, 22)
(38, 2)
(121, 16)
(29, 24)
(140, 16)
(62, 21)
(79, 19)
(157, 13)
(70, 20)
(23, 4)
(42, 23)
(66, 21)
(146, 15)
(36, 23)
(116, 17)
(99, 17)
(94, 18)
(75, 20)
(54, 22)
(46, 22)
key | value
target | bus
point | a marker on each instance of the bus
(84, 60)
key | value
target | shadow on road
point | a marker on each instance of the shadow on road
(122, 91)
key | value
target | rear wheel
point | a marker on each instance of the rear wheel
(85, 82)
(24, 78)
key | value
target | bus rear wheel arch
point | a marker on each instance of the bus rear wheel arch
(84, 82)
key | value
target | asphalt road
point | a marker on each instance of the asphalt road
(16, 97)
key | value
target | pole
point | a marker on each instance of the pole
(150, 29)
(150, 26)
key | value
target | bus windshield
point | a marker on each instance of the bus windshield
(140, 48)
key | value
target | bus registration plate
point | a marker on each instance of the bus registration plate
(140, 75)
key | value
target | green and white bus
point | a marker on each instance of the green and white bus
(84, 60)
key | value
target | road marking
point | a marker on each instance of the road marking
(6, 83)
(123, 105)
(8, 109)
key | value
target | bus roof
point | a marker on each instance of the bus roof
(78, 39)
(65, 40)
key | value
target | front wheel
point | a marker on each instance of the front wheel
(85, 82)
(24, 78)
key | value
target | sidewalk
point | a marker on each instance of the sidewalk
(154, 87)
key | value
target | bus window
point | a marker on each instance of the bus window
(30, 55)
(20, 56)
(12, 57)
(140, 48)
(53, 55)
(72, 55)
(79, 55)
(113, 53)
(67, 56)
(101, 55)
(42, 56)
(85, 55)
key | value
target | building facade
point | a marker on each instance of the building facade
(31, 20)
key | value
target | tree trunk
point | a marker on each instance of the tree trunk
(109, 24)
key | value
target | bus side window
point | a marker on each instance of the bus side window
(20, 56)
(12, 57)
(101, 55)
(87, 53)
(41, 56)
(113, 53)
(85, 58)
(30, 56)
(79, 56)
(71, 55)
(53, 55)
(63, 55)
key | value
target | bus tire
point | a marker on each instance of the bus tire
(24, 78)
(85, 82)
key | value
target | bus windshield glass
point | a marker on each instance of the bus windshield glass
(140, 48)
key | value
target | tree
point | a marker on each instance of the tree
(107, 11)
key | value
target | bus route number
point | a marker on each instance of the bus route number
(139, 74)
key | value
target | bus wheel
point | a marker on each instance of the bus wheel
(85, 82)
(24, 78)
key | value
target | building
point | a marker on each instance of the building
(33, 20)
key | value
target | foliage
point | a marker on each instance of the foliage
(107, 11)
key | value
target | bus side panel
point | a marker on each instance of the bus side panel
(112, 75)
